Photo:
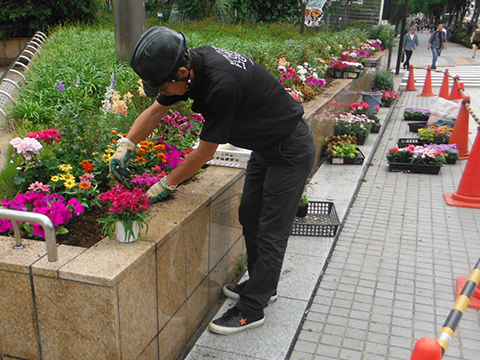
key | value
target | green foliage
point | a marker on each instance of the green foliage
(461, 36)
(242, 265)
(267, 11)
(383, 80)
(304, 200)
(384, 33)
(25, 18)
(195, 9)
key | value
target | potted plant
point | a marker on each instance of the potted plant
(353, 125)
(439, 135)
(303, 206)
(416, 159)
(411, 113)
(450, 150)
(388, 97)
(343, 150)
(345, 69)
(383, 80)
(127, 214)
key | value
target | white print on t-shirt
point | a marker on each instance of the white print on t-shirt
(233, 57)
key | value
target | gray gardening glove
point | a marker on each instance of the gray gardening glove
(159, 191)
(119, 160)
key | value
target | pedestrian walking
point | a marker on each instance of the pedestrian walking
(246, 106)
(437, 42)
(475, 40)
(411, 40)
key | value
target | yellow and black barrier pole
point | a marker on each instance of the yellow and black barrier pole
(430, 349)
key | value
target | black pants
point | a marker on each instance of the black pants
(408, 55)
(274, 183)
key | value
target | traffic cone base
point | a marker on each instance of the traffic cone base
(411, 80)
(444, 90)
(427, 349)
(427, 87)
(454, 199)
(475, 299)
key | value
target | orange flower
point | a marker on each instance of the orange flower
(140, 160)
(159, 147)
(114, 141)
(114, 132)
(87, 165)
(84, 186)
(141, 151)
(161, 156)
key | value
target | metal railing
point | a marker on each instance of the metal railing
(24, 216)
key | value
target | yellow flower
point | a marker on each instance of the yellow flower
(65, 167)
(55, 178)
(62, 177)
(106, 158)
(110, 151)
(115, 96)
(68, 177)
(127, 97)
(140, 88)
(70, 183)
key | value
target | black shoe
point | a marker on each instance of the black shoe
(234, 321)
(433, 67)
(233, 291)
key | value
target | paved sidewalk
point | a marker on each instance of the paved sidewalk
(388, 279)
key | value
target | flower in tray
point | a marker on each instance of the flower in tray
(302, 84)
(359, 108)
(414, 112)
(126, 206)
(450, 150)
(341, 146)
(353, 125)
(417, 155)
(355, 55)
(435, 134)
(388, 96)
(345, 65)
(52, 205)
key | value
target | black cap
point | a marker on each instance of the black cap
(156, 57)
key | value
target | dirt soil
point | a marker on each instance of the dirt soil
(84, 231)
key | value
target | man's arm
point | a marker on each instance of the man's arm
(147, 121)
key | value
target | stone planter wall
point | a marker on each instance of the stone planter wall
(143, 300)
(10, 48)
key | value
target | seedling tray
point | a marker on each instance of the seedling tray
(357, 160)
(321, 220)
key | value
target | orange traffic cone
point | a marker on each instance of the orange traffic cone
(474, 302)
(411, 80)
(468, 192)
(427, 349)
(444, 90)
(460, 130)
(454, 93)
(427, 87)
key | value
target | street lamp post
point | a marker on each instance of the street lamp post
(402, 36)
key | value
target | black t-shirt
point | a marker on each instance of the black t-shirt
(242, 103)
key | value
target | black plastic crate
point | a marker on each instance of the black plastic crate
(321, 220)
(357, 160)
(415, 126)
(414, 168)
(404, 142)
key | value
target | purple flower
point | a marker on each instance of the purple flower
(60, 86)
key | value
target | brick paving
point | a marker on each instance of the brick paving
(391, 278)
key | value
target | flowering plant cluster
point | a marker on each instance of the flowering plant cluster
(302, 84)
(417, 155)
(41, 200)
(389, 96)
(363, 107)
(451, 151)
(436, 134)
(341, 146)
(126, 206)
(373, 45)
(113, 101)
(345, 65)
(411, 112)
(353, 125)
(352, 55)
